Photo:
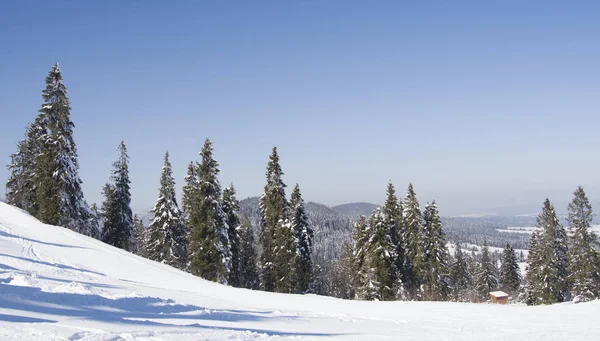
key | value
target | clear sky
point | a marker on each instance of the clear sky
(484, 107)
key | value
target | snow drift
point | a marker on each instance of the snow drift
(59, 285)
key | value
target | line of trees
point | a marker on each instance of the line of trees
(397, 253)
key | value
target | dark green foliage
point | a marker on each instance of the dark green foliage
(434, 273)
(167, 233)
(116, 209)
(191, 189)
(460, 278)
(231, 206)
(583, 257)
(510, 273)
(548, 262)
(363, 280)
(342, 273)
(140, 237)
(248, 271)
(485, 277)
(381, 258)
(303, 235)
(210, 254)
(275, 233)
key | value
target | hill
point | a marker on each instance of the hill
(59, 285)
(355, 209)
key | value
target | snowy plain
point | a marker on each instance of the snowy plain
(58, 285)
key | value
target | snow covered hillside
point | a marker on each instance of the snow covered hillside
(60, 285)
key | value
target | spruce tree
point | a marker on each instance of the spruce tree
(167, 233)
(191, 190)
(21, 186)
(381, 258)
(231, 206)
(392, 210)
(548, 262)
(210, 253)
(460, 277)
(434, 273)
(413, 229)
(273, 211)
(485, 278)
(248, 271)
(364, 281)
(117, 214)
(139, 236)
(510, 273)
(303, 234)
(583, 257)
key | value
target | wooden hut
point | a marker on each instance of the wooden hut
(498, 297)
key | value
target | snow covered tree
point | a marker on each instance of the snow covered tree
(364, 279)
(273, 235)
(231, 206)
(117, 222)
(140, 237)
(44, 176)
(584, 259)
(210, 253)
(191, 189)
(381, 258)
(548, 262)
(167, 233)
(248, 271)
(485, 278)
(95, 222)
(460, 278)
(510, 273)
(392, 210)
(434, 273)
(342, 274)
(303, 235)
(413, 229)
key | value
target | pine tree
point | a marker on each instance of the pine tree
(413, 229)
(303, 234)
(381, 258)
(116, 209)
(21, 186)
(485, 278)
(342, 274)
(140, 237)
(548, 262)
(460, 277)
(231, 206)
(583, 257)
(248, 271)
(510, 273)
(273, 212)
(434, 273)
(167, 233)
(95, 222)
(191, 190)
(210, 253)
(392, 210)
(364, 280)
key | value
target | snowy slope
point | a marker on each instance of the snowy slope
(59, 285)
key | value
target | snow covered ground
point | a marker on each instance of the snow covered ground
(59, 285)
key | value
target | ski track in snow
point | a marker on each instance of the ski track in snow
(58, 285)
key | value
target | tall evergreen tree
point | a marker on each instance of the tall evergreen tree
(303, 234)
(364, 278)
(583, 256)
(44, 176)
(510, 273)
(392, 210)
(248, 271)
(167, 235)
(435, 271)
(460, 278)
(485, 278)
(191, 189)
(231, 206)
(413, 229)
(117, 214)
(381, 258)
(273, 212)
(210, 253)
(548, 261)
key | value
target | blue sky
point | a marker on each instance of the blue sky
(484, 107)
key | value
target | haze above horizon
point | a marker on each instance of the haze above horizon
(484, 107)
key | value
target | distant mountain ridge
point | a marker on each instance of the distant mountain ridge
(356, 209)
